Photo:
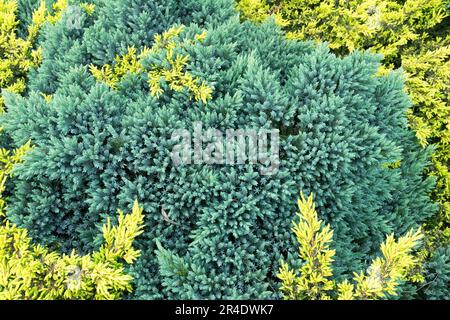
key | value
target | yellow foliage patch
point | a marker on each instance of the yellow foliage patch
(172, 71)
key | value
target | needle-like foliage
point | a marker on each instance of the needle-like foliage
(313, 280)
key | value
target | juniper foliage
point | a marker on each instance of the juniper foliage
(96, 148)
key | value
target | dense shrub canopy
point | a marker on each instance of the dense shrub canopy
(342, 129)
(411, 34)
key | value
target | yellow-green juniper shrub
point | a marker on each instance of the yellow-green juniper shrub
(17, 55)
(313, 280)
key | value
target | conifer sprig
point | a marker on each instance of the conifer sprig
(30, 271)
(172, 70)
(314, 248)
(8, 159)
